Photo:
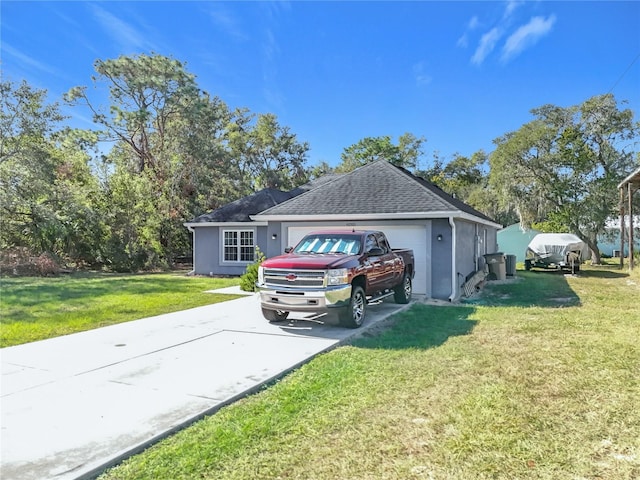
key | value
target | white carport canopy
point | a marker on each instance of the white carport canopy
(628, 187)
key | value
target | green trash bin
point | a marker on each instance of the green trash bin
(510, 265)
(497, 265)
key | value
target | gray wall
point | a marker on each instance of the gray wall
(467, 250)
(206, 250)
(472, 242)
(441, 259)
(206, 241)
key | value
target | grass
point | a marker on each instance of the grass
(38, 308)
(535, 379)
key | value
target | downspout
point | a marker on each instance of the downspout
(193, 254)
(454, 272)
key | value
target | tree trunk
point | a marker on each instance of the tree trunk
(595, 252)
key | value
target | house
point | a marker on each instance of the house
(513, 240)
(448, 237)
(224, 240)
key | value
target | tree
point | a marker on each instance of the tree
(46, 184)
(26, 122)
(268, 154)
(564, 166)
(167, 132)
(193, 151)
(405, 154)
(467, 179)
(146, 93)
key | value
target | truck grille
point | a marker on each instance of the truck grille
(294, 278)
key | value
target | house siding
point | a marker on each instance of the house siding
(441, 259)
(207, 249)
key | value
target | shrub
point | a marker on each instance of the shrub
(250, 277)
(20, 261)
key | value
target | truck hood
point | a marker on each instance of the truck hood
(317, 261)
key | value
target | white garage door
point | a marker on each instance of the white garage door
(399, 236)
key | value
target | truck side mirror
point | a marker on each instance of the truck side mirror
(375, 252)
(288, 250)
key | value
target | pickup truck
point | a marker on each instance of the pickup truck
(335, 273)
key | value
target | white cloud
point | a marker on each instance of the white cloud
(486, 46)
(511, 7)
(421, 75)
(527, 36)
(125, 34)
(463, 41)
(28, 61)
(226, 21)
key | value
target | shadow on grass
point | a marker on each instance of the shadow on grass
(606, 272)
(422, 327)
(427, 326)
(539, 288)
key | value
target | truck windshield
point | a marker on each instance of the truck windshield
(341, 244)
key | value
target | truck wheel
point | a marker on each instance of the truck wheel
(527, 265)
(275, 315)
(353, 315)
(402, 292)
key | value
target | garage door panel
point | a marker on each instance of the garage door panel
(399, 236)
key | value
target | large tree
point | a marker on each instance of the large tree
(192, 151)
(169, 134)
(467, 178)
(267, 154)
(563, 167)
(406, 153)
(47, 188)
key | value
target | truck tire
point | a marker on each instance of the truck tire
(275, 315)
(402, 292)
(353, 315)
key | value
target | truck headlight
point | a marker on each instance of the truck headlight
(338, 276)
(261, 275)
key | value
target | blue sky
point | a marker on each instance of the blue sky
(458, 73)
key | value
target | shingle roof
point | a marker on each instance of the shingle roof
(375, 188)
(240, 210)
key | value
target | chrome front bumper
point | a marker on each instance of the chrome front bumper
(312, 300)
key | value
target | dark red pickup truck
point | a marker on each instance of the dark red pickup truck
(337, 272)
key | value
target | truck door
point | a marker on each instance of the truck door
(391, 264)
(373, 265)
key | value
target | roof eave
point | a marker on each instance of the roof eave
(226, 224)
(374, 216)
(633, 178)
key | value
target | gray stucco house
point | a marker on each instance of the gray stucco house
(448, 237)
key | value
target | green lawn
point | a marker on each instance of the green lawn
(535, 379)
(38, 308)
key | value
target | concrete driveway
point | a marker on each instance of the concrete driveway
(72, 406)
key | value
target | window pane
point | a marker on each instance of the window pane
(231, 254)
(231, 238)
(246, 238)
(246, 254)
